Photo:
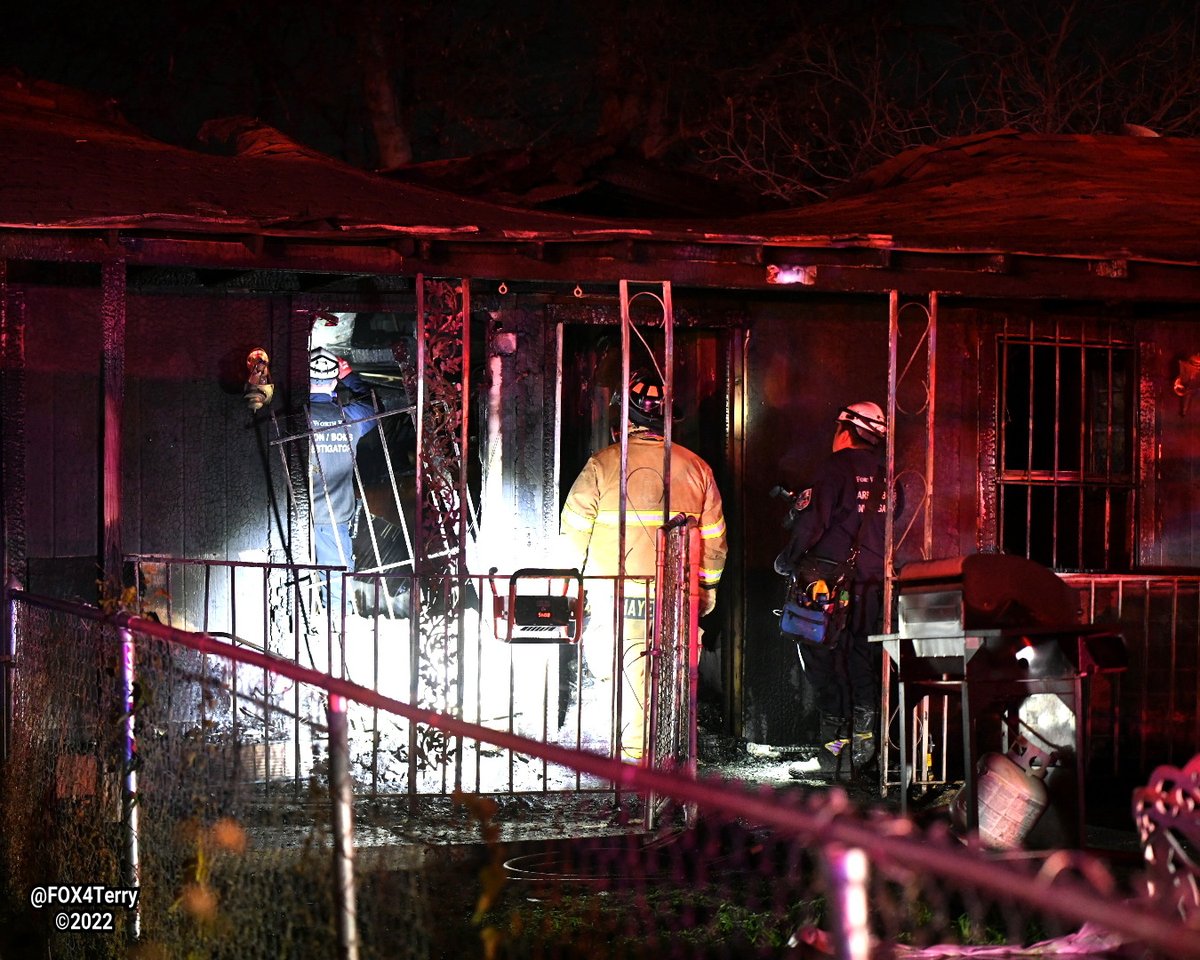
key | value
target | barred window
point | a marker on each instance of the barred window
(1066, 457)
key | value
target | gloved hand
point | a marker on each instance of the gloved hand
(344, 368)
(708, 600)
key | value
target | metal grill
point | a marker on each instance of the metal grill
(1002, 635)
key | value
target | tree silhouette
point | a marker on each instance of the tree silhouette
(791, 99)
(847, 93)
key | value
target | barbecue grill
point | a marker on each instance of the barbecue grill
(1005, 636)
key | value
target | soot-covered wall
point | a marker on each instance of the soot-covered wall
(198, 476)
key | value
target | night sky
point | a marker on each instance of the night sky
(469, 75)
(786, 98)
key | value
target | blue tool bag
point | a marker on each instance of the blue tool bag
(806, 623)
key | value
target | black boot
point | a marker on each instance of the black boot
(834, 746)
(863, 751)
(832, 749)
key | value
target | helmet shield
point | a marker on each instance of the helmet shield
(322, 371)
(866, 419)
(646, 400)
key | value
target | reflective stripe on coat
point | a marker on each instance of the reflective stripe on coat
(591, 516)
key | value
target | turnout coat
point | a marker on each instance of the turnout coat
(591, 515)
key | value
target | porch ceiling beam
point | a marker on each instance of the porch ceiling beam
(602, 311)
(1027, 278)
(206, 253)
(986, 276)
(720, 265)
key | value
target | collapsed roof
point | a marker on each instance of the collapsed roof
(1107, 217)
(592, 177)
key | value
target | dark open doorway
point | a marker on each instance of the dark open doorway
(704, 423)
(591, 384)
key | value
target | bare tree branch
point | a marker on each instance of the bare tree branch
(838, 99)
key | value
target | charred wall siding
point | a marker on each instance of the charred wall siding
(198, 476)
(522, 353)
(62, 434)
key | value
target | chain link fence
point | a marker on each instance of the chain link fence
(233, 855)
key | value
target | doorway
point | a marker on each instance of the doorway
(705, 359)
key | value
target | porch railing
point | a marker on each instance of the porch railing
(439, 642)
(1149, 714)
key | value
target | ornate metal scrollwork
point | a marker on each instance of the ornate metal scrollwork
(440, 459)
(1165, 812)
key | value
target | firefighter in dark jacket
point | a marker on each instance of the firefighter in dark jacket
(824, 522)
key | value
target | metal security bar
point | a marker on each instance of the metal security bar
(674, 656)
(911, 416)
(673, 678)
(294, 430)
(1066, 443)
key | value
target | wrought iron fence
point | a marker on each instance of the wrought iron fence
(1150, 714)
(444, 642)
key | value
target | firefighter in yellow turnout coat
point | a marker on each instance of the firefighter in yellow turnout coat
(590, 528)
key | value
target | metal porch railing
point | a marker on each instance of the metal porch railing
(447, 652)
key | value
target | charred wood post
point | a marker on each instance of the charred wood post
(113, 362)
(442, 507)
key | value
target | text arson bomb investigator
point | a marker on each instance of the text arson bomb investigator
(337, 426)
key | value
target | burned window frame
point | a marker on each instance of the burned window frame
(1073, 475)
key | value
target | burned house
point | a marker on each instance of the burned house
(1023, 307)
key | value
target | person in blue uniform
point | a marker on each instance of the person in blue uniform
(337, 423)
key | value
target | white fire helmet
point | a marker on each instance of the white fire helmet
(333, 331)
(322, 371)
(867, 419)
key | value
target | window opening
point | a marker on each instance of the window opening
(1066, 453)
